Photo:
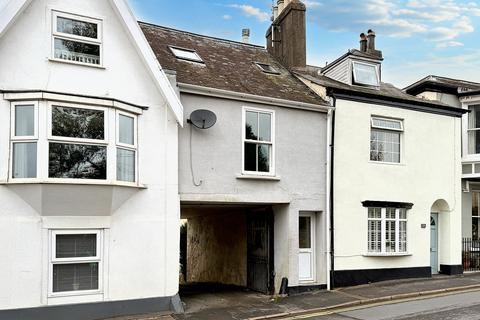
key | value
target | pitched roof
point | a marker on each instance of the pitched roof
(386, 92)
(14, 8)
(442, 84)
(229, 66)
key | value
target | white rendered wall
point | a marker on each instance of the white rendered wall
(430, 170)
(142, 227)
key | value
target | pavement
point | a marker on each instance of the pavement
(227, 303)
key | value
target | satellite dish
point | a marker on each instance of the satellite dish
(202, 119)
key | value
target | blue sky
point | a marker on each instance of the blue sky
(417, 37)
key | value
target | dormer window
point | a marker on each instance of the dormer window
(186, 54)
(267, 68)
(366, 74)
(77, 39)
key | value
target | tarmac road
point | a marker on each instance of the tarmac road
(462, 306)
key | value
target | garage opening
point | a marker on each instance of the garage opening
(227, 246)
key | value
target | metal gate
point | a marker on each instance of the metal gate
(260, 274)
(471, 255)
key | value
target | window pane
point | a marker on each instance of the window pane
(375, 213)
(304, 232)
(474, 142)
(250, 157)
(475, 226)
(77, 28)
(251, 125)
(75, 277)
(125, 165)
(365, 74)
(77, 51)
(387, 123)
(186, 54)
(403, 236)
(265, 129)
(385, 146)
(390, 236)
(402, 214)
(24, 121)
(474, 117)
(24, 160)
(467, 168)
(374, 236)
(76, 245)
(264, 158)
(77, 161)
(475, 198)
(126, 130)
(78, 123)
(390, 213)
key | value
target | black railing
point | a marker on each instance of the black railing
(471, 254)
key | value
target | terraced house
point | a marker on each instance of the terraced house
(88, 164)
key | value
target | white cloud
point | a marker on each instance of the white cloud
(433, 20)
(251, 11)
(450, 44)
(227, 17)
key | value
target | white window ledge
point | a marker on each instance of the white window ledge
(402, 254)
(388, 163)
(75, 183)
(257, 177)
(98, 66)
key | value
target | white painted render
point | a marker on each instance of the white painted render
(430, 170)
(141, 224)
(298, 183)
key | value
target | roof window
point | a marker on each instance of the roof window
(267, 68)
(186, 54)
(366, 74)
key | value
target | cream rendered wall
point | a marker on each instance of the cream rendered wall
(142, 237)
(430, 170)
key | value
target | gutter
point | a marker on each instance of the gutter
(330, 185)
(232, 95)
(46, 92)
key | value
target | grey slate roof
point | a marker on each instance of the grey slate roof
(386, 91)
(229, 65)
(443, 84)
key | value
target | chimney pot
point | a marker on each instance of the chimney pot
(371, 41)
(363, 42)
(246, 35)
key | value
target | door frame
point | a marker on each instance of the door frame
(312, 250)
(435, 215)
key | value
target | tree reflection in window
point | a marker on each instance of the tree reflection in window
(75, 161)
(78, 123)
(258, 141)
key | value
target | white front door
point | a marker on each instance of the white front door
(306, 254)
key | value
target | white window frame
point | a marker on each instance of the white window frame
(401, 132)
(23, 139)
(198, 59)
(271, 143)
(53, 138)
(97, 259)
(377, 72)
(383, 222)
(272, 71)
(312, 250)
(125, 146)
(65, 36)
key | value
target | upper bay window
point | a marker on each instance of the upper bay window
(385, 140)
(366, 74)
(474, 129)
(258, 141)
(77, 39)
(79, 143)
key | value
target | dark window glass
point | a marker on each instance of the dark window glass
(304, 233)
(263, 158)
(77, 51)
(76, 161)
(76, 245)
(475, 230)
(78, 123)
(75, 277)
(251, 123)
(250, 157)
(77, 28)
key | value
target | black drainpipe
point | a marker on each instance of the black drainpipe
(332, 226)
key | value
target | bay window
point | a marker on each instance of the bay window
(76, 262)
(258, 141)
(474, 129)
(77, 38)
(387, 230)
(77, 143)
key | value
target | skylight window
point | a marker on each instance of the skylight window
(365, 74)
(267, 68)
(186, 54)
